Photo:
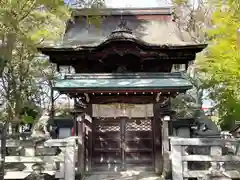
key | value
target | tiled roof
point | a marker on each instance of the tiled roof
(156, 30)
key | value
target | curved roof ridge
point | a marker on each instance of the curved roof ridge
(122, 11)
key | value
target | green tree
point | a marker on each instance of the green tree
(24, 25)
(222, 62)
(193, 18)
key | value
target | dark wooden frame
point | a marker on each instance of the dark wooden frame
(123, 138)
(86, 160)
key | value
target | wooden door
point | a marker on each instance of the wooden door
(106, 145)
(138, 149)
(122, 144)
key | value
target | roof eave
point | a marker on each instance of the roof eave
(197, 47)
(180, 89)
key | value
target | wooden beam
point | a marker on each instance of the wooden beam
(133, 99)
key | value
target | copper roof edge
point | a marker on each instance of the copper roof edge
(141, 75)
(122, 11)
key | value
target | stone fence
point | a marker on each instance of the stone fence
(218, 158)
(55, 158)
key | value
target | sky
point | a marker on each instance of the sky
(136, 3)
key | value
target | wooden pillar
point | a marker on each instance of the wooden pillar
(75, 124)
(166, 145)
(80, 108)
(161, 106)
(88, 141)
(158, 144)
(81, 147)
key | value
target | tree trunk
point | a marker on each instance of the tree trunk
(199, 97)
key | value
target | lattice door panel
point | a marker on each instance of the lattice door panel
(139, 143)
(108, 127)
(139, 125)
(106, 154)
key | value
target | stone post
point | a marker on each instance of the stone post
(69, 160)
(176, 159)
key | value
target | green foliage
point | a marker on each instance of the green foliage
(23, 26)
(222, 62)
(184, 105)
(219, 70)
(180, 2)
(26, 77)
(29, 113)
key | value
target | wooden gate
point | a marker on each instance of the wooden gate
(122, 144)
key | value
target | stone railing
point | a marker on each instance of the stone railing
(55, 158)
(203, 158)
